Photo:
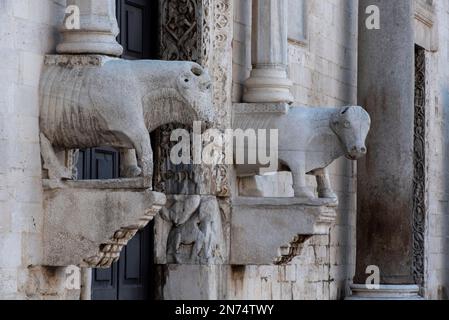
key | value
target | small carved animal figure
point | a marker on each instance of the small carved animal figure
(310, 139)
(117, 103)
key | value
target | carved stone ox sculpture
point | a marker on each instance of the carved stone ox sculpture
(91, 101)
(310, 139)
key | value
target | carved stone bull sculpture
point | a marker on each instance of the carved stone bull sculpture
(91, 101)
(310, 139)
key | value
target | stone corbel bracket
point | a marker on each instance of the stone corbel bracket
(272, 230)
(87, 223)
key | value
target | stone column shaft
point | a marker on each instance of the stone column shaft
(98, 29)
(385, 175)
(268, 81)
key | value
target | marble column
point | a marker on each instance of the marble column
(97, 30)
(268, 81)
(385, 194)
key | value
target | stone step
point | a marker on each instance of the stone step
(385, 292)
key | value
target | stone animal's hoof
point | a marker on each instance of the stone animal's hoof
(328, 195)
(132, 172)
(304, 193)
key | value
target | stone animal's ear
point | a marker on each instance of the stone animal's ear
(344, 110)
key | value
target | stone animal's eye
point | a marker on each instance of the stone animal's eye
(186, 80)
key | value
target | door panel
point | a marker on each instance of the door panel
(138, 21)
(135, 271)
(104, 283)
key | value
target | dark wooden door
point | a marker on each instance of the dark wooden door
(138, 21)
(131, 277)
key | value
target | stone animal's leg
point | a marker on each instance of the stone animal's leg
(178, 241)
(299, 184)
(75, 155)
(128, 166)
(296, 163)
(208, 240)
(323, 184)
(56, 171)
(199, 244)
(142, 144)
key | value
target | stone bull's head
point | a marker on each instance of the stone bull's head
(351, 125)
(195, 87)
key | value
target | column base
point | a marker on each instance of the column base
(268, 86)
(89, 42)
(385, 292)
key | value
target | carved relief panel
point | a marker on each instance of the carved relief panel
(200, 31)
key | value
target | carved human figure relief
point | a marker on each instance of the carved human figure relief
(195, 235)
(91, 101)
(310, 139)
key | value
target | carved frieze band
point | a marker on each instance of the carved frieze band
(419, 181)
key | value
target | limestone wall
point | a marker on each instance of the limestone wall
(27, 32)
(437, 113)
(323, 68)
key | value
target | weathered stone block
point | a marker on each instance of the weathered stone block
(87, 223)
(268, 230)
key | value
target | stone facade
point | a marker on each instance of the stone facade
(21, 185)
(212, 236)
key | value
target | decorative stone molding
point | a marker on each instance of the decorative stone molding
(87, 223)
(385, 292)
(189, 230)
(420, 170)
(98, 29)
(268, 81)
(425, 24)
(268, 231)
